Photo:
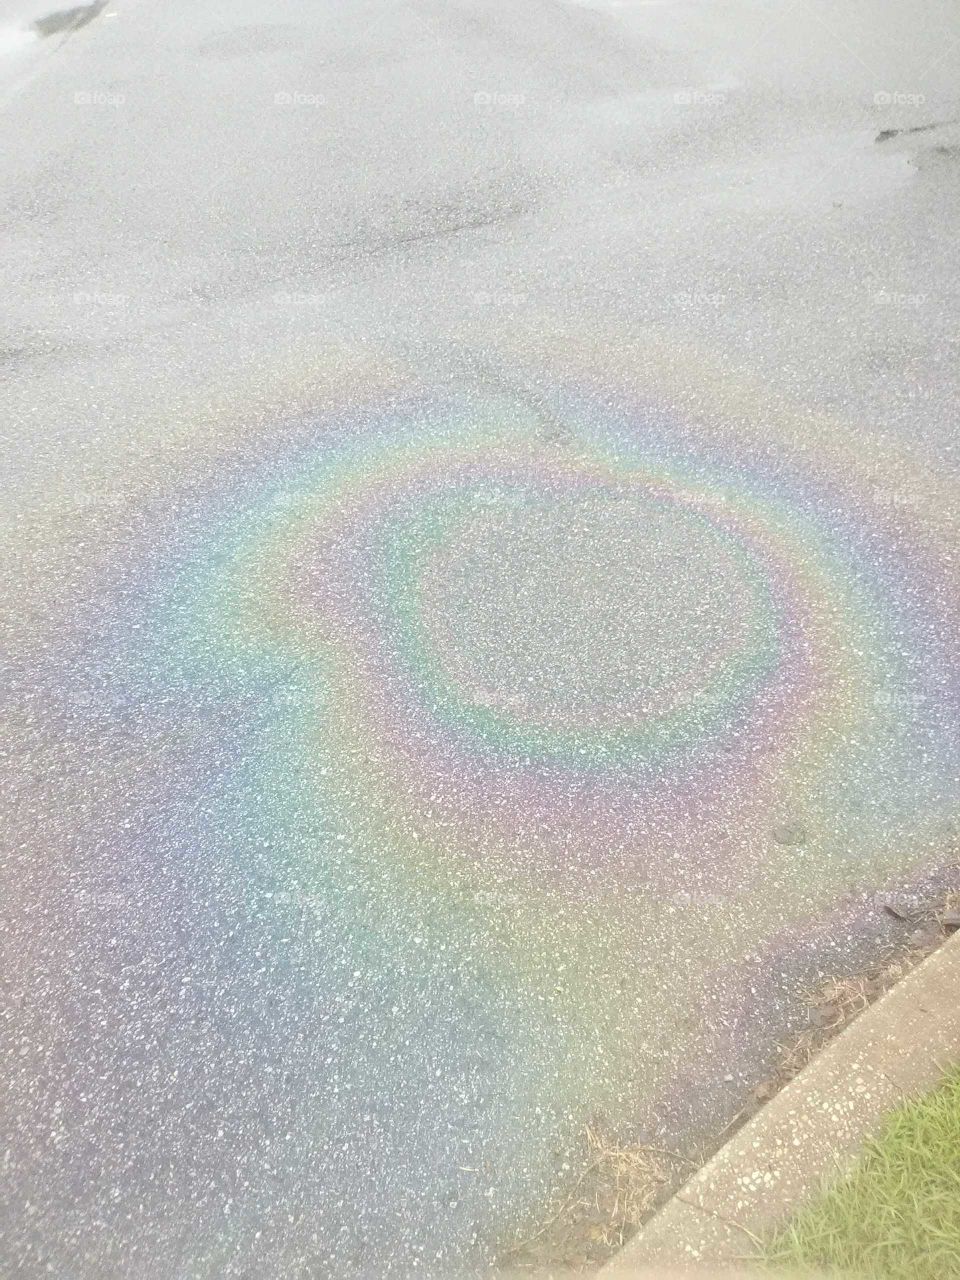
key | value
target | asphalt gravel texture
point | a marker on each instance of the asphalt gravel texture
(480, 543)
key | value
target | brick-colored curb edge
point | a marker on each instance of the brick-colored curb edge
(814, 1127)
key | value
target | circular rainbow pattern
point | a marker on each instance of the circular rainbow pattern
(594, 641)
(518, 741)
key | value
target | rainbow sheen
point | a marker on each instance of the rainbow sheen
(519, 763)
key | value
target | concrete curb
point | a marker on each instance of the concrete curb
(813, 1129)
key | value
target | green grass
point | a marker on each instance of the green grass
(897, 1215)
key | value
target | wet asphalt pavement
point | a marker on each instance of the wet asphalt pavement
(480, 537)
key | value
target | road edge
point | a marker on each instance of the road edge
(813, 1129)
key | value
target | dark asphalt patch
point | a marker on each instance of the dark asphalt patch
(66, 21)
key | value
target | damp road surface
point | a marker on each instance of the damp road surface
(479, 539)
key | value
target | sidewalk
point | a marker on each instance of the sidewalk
(813, 1129)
